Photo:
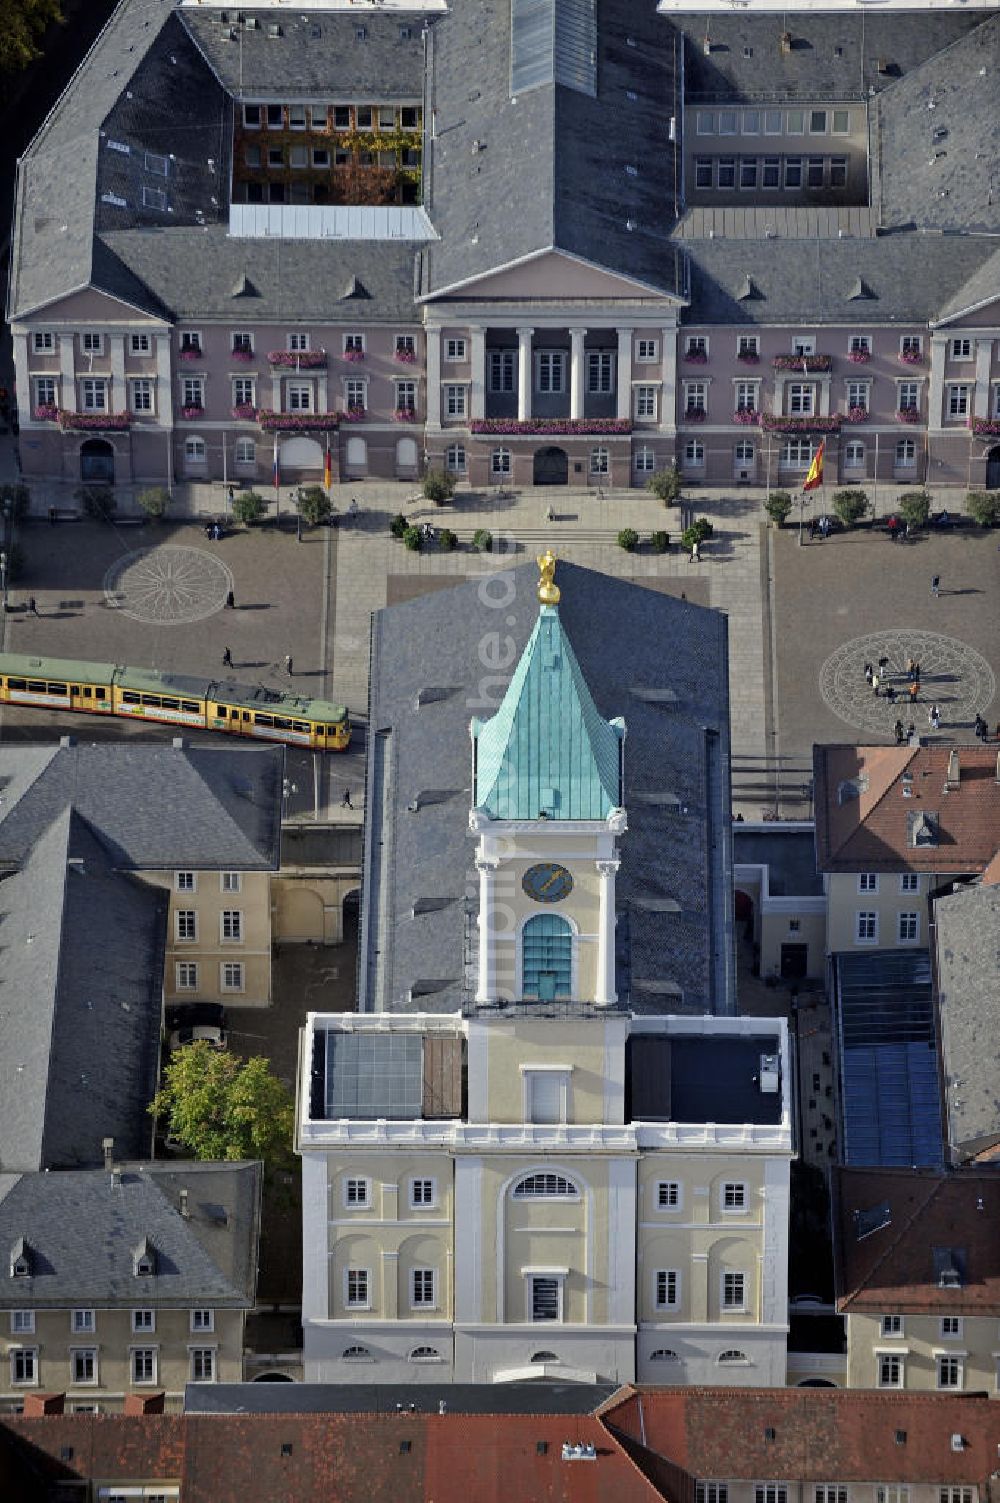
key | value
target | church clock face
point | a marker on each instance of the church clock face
(548, 882)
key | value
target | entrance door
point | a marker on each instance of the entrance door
(794, 962)
(993, 469)
(97, 462)
(551, 467)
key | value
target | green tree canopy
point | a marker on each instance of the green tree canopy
(223, 1107)
(22, 25)
(314, 504)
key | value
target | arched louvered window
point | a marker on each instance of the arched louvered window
(425, 1354)
(356, 1354)
(544, 1357)
(547, 957)
(732, 1355)
(663, 1354)
(545, 1185)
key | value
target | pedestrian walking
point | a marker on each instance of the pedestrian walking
(899, 733)
(916, 673)
(911, 734)
(232, 495)
(345, 802)
(981, 728)
(890, 694)
(288, 663)
(936, 585)
(230, 601)
(869, 674)
(909, 668)
(875, 683)
(32, 605)
(914, 691)
(227, 658)
(934, 718)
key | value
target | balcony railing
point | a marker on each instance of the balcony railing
(298, 360)
(810, 364)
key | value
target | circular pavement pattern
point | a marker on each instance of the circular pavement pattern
(952, 675)
(168, 586)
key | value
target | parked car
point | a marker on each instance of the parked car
(187, 1022)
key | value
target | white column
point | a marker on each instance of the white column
(164, 390)
(25, 390)
(624, 373)
(668, 375)
(935, 385)
(469, 1241)
(477, 389)
(67, 373)
(824, 396)
(433, 358)
(486, 990)
(276, 389)
(576, 374)
(981, 396)
(524, 374)
(604, 992)
(117, 397)
(322, 392)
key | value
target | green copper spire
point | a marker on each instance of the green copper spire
(547, 751)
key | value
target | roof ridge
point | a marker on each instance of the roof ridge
(880, 1262)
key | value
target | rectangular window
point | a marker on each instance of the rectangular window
(908, 395)
(139, 344)
(454, 401)
(667, 1288)
(860, 344)
(866, 931)
(297, 343)
(909, 928)
(83, 1321)
(144, 1364)
(320, 157)
(144, 1320)
(668, 1195)
(203, 1320)
(405, 344)
(192, 391)
(24, 1365)
(772, 122)
(645, 401)
(186, 924)
(890, 1371)
(838, 172)
(600, 371)
(814, 172)
(751, 122)
(231, 924)
(705, 122)
(734, 1196)
(725, 172)
(951, 1326)
(356, 394)
(867, 881)
(711, 1492)
(801, 398)
(911, 344)
(550, 371)
(45, 391)
(955, 1495)
(958, 401)
(892, 1325)
(830, 1492)
(795, 122)
(341, 117)
(770, 1492)
(857, 394)
(357, 1192)
(545, 1297)
(354, 344)
(892, 1492)
(906, 452)
(230, 882)
(83, 1364)
(703, 172)
(793, 172)
(696, 396)
(421, 1192)
(454, 349)
(746, 396)
(251, 116)
(961, 349)
(502, 370)
(804, 344)
(909, 882)
(734, 1291)
(299, 396)
(748, 172)
(727, 122)
(771, 173)
(185, 882)
(231, 975)
(647, 350)
(747, 346)
(243, 391)
(356, 1288)
(423, 1291)
(191, 341)
(841, 122)
(92, 344)
(694, 453)
(817, 122)
(949, 1372)
(252, 156)
(203, 1364)
(454, 459)
(95, 395)
(406, 396)
(22, 1322)
(142, 396)
(154, 198)
(44, 342)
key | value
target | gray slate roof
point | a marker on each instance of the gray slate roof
(788, 854)
(938, 132)
(151, 806)
(968, 994)
(81, 974)
(81, 1228)
(535, 1397)
(661, 663)
(558, 154)
(813, 70)
(982, 287)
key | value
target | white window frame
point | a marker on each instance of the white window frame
(746, 395)
(202, 1319)
(907, 395)
(192, 391)
(456, 399)
(733, 1291)
(241, 340)
(868, 882)
(644, 460)
(152, 1352)
(46, 391)
(859, 393)
(143, 1320)
(859, 344)
(501, 462)
(695, 396)
(697, 344)
(300, 396)
(647, 351)
(232, 976)
(406, 395)
(729, 122)
(405, 344)
(94, 394)
(532, 1079)
(747, 344)
(694, 454)
(646, 401)
(550, 372)
(230, 881)
(892, 1325)
(501, 371)
(905, 456)
(423, 1205)
(184, 919)
(961, 348)
(77, 1353)
(140, 344)
(190, 339)
(142, 393)
(297, 342)
(197, 1357)
(244, 391)
(892, 1362)
(711, 1492)
(231, 930)
(601, 368)
(355, 342)
(356, 1192)
(866, 926)
(951, 1362)
(83, 1322)
(600, 461)
(803, 344)
(801, 398)
(770, 1492)
(195, 450)
(912, 344)
(957, 399)
(43, 342)
(854, 454)
(669, 1195)
(22, 1322)
(356, 392)
(705, 122)
(91, 343)
(24, 1355)
(947, 1334)
(423, 1289)
(245, 451)
(908, 928)
(362, 1279)
(734, 1197)
(909, 882)
(456, 460)
(547, 1276)
(185, 881)
(455, 349)
(667, 1281)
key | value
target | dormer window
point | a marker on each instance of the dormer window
(20, 1260)
(143, 1260)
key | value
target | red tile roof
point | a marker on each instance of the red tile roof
(892, 1270)
(865, 818)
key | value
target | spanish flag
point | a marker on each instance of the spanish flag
(327, 467)
(815, 475)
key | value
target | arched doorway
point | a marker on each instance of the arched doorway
(406, 454)
(273, 1378)
(993, 469)
(816, 1383)
(551, 466)
(97, 462)
(300, 457)
(357, 455)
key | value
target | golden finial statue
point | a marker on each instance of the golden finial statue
(548, 590)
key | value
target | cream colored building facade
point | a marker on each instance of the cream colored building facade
(878, 910)
(218, 946)
(924, 1353)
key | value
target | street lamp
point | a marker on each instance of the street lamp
(3, 577)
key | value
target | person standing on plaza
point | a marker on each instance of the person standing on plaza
(288, 664)
(934, 718)
(875, 683)
(914, 691)
(869, 674)
(899, 733)
(936, 585)
(909, 668)
(227, 658)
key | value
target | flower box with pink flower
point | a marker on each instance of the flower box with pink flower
(857, 414)
(356, 414)
(985, 427)
(405, 356)
(778, 424)
(748, 415)
(748, 357)
(807, 363)
(98, 421)
(193, 411)
(908, 415)
(513, 427)
(46, 413)
(911, 357)
(189, 352)
(859, 357)
(696, 357)
(297, 360)
(354, 356)
(695, 415)
(296, 422)
(405, 415)
(239, 352)
(245, 412)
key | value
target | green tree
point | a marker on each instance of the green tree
(482, 540)
(412, 539)
(313, 503)
(777, 506)
(984, 507)
(249, 507)
(398, 525)
(22, 25)
(438, 486)
(850, 506)
(98, 501)
(915, 508)
(659, 541)
(447, 540)
(628, 539)
(665, 485)
(698, 532)
(154, 501)
(223, 1107)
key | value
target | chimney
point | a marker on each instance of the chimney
(144, 1403)
(954, 774)
(108, 1149)
(184, 1204)
(37, 1404)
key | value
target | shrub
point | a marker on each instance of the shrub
(659, 541)
(398, 525)
(412, 538)
(777, 506)
(915, 508)
(850, 506)
(482, 540)
(984, 507)
(17, 497)
(154, 501)
(249, 507)
(314, 504)
(98, 501)
(438, 486)
(665, 485)
(701, 530)
(628, 539)
(447, 540)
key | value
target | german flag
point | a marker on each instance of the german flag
(815, 475)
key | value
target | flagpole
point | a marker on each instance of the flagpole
(277, 484)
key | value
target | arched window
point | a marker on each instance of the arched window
(547, 957)
(906, 451)
(663, 1354)
(536, 1185)
(356, 1354)
(544, 1357)
(425, 1354)
(500, 461)
(732, 1355)
(246, 452)
(357, 453)
(194, 450)
(599, 461)
(854, 455)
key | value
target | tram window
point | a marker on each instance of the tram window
(35, 686)
(219, 711)
(86, 691)
(153, 700)
(281, 723)
(301, 725)
(58, 689)
(100, 692)
(130, 697)
(170, 704)
(246, 714)
(190, 706)
(17, 683)
(263, 720)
